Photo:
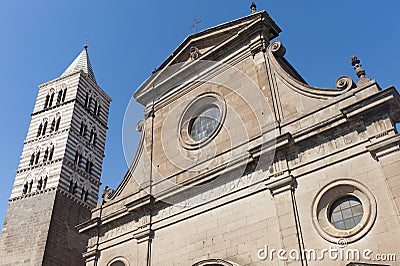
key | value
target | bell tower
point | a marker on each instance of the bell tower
(58, 178)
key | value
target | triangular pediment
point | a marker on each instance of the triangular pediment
(207, 39)
(208, 45)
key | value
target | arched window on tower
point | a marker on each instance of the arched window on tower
(74, 187)
(37, 157)
(85, 197)
(39, 185)
(87, 165)
(98, 110)
(71, 186)
(51, 99)
(53, 125)
(39, 130)
(30, 186)
(83, 193)
(44, 183)
(90, 168)
(46, 154)
(93, 136)
(86, 99)
(89, 102)
(78, 158)
(32, 159)
(97, 107)
(64, 95)
(44, 128)
(59, 97)
(81, 128)
(46, 101)
(58, 123)
(51, 152)
(25, 189)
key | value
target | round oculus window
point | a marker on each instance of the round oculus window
(346, 213)
(204, 123)
(343, 208)
(201, 120)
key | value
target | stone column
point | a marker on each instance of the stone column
(282, 189)
(386, 150)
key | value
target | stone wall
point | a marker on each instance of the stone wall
(25, 230)
(64, 244)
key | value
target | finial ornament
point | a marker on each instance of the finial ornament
(355, 62)
(253, 7)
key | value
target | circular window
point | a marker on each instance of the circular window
(344, 208)
(201, 120)
(346, 213)
(204, 124)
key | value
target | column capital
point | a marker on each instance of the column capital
(281, 184)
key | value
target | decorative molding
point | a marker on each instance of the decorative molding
(281, 183)
(385, 146)
(91, 255)
(144, 235)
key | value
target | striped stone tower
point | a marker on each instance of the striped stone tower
(58, 178)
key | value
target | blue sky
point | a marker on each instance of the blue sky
(127, 39)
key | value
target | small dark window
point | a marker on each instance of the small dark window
(44, 128)
(94, 139)
(51, 153)
(37, 157)
(87, 165)
(51, 99)
(86, 99)
(71, 186)
(95, 107)
(53, 125)
(92, 136)
(81, 129)
(58, 123)
(25, 188)
(85, 197)
(83, 193)
(32, 159)
(77, 159)
(89, 102)
(46, 154)
(44, 183)
(59, 97)
(30, 186)
(39, 185)
(39, 130)
(64, 94)
(90, 168)
(74, 188)
(46, 102)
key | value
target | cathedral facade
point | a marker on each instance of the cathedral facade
(241, 162)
